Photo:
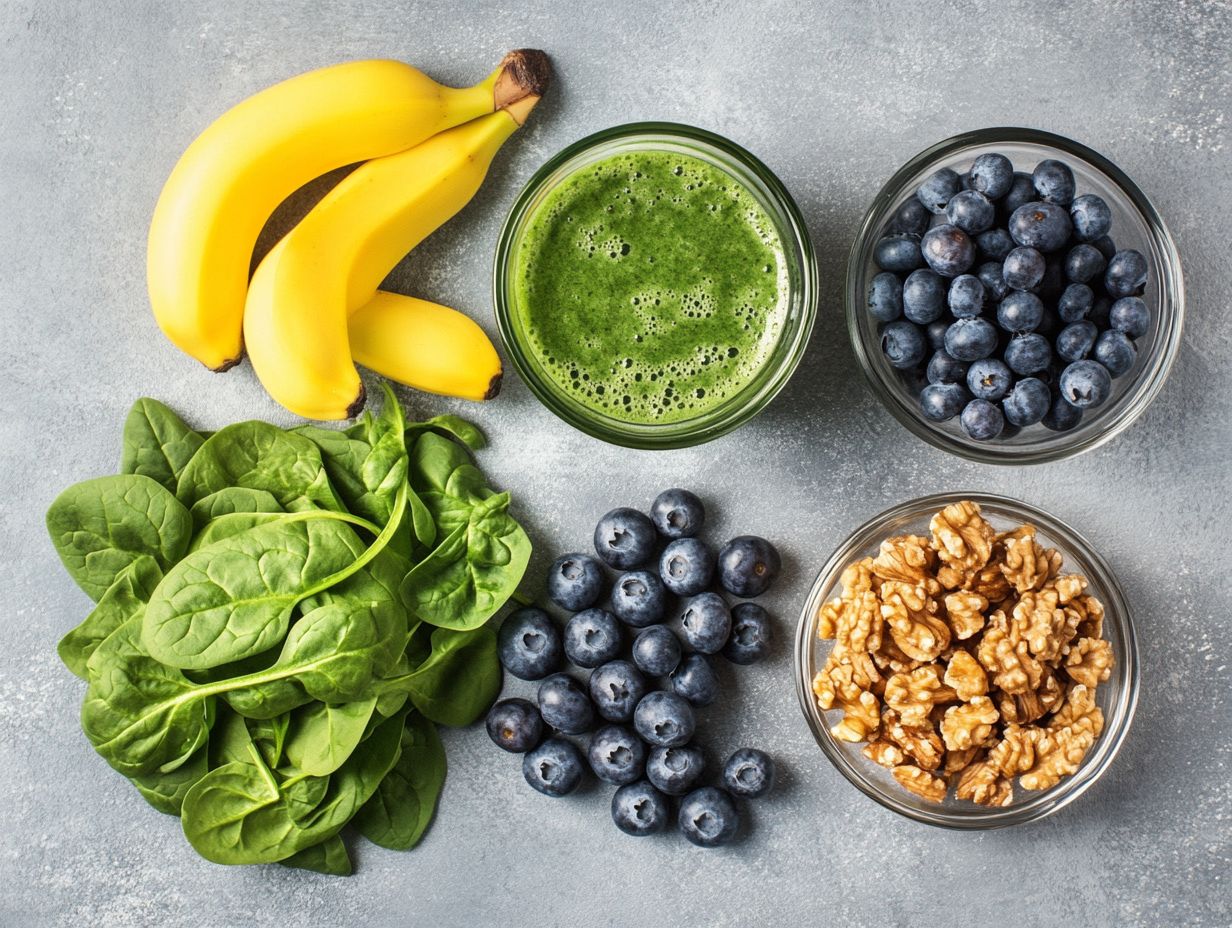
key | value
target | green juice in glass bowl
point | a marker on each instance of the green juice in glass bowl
(651, 294)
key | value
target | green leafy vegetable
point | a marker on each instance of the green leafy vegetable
(101, 526)
(157, 443)
(282, 617)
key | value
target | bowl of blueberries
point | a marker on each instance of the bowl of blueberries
(1013, 297)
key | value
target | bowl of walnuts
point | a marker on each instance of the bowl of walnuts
(968, 661)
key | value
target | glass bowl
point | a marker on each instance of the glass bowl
(1116, 697)
(800, 285)
(1135, 224)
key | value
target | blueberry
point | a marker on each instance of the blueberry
(625, 538)
(656, 651)
(564, 704)
(1091, 217)
(1042, 226)
(971, 211)
(639, 599)
(639, 809)
(708, 817)
(903, 344)
(966, 296)
(1107, 247)
(899, 252)
(948, 250)
(664, 719)
(1084, 263)
(529, 644)
(1027, 403)
(1023, 268)
(1022, 191)
(1062, 416)
(1028, 354)
(1130, 315)
(989, 379)
(992, 174)
(1101, 308)
(616, 688)
(1020, 312)
(885, 299)
(994, 244)
(944, 369)
(993, 280)
(707, 622)
(942, 401)
(1115, 351)
(982, 420)
(554, 768)
(1126, 274)
(616, 755)
(677, 513)
(592, 637)
(924, 296)
(748, 565)
(751, 634)
(911, 216)
(1076, 340)
(687, 566)
(674, 770)
(514, 725)
(936, 191)
(935, 332)
(1075, 302)
(575, 581)
(1054, 182)
(971, 339)
(695, 680)
(749, 773)
(1085, 384)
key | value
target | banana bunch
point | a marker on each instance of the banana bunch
(313, 305)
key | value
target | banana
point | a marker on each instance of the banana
(424, 345)
(232, 177)
(295, 317)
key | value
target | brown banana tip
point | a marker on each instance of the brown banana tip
(525, 72)
(357, 407)
(228, 364)
(494, 386)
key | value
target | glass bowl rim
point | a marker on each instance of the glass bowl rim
(1041, 804)
(788, 220)
(1171, 304)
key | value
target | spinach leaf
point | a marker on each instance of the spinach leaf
(448, 426)
(403, 805)
(166, 791)
(240, 814)
(270, 737)
(329, 857)
(101, 526)
(157, 443)
(231, 500)
(140, 714)
(124, 599)
(473, 571)
(236, 523)
(259, 456)
(323, 736)
(460, 679)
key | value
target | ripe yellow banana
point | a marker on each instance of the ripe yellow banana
(232, 177)
(295, 318)
(424, 345)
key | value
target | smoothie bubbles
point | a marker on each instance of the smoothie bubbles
(655, 285)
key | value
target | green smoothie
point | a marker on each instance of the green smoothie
(652, 286)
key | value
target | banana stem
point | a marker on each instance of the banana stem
(523, 76)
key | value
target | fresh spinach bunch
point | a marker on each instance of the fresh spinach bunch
(282, 618)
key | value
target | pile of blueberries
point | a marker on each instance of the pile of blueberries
(638, 702)
(1014, 303)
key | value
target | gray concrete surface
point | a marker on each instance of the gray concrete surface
(100, 98)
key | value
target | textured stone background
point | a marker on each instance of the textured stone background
(100, 98)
